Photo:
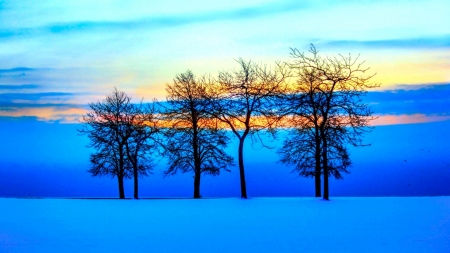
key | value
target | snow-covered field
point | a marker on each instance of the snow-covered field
(410, 224)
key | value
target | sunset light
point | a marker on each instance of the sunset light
(225, 126)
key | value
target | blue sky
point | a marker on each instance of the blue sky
(88, 47)
(57, 56)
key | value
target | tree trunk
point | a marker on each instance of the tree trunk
(121, 172)
(197, 185)
(121, 188)
(318, 168)
(197, 160)
(241, 169)
(136, 182)
(318, 185)
(325, 171)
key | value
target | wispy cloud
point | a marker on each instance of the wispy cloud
(161, 21)
(18, 72)
(429, 100)
(18, 69)
(411, 104)
(18, 87)
(407, 119)
(418, 42)
(63, 114)
(45, 106)
(33, 97)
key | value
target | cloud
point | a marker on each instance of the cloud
(407, 119)
(418, 42)
(18, 87)
(161, 21)
(45, 106)
(403, 105)
(410, 104)
(425, 92)
(61, 113)
(15, 72)
(33, 97)
(18, 69)
(19, 72)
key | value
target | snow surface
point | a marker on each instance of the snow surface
(384, 224)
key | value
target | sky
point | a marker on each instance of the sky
(58, 56)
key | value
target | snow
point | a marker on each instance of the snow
(344, 224)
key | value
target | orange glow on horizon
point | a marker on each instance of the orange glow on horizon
(73, 115)
(407, 119)
(64, 115)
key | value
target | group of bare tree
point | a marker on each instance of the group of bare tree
(122, 133)
(325, 111)
(317, 99)
(194, 140)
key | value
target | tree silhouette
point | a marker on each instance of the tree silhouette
(194, 140)
(303, 146)
(244, 100)
(116, 131)
(301, 150)
(326, 104)
(143, 124)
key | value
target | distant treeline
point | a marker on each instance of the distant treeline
(318, 99)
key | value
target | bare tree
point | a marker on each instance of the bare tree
(143, 124)
(302, 149)
(303, 146)
(114, 127)
(244, 101)
(328, 99)
(195, 143)
(300, 109)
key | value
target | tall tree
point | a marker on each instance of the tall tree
(110, 126)
(245, 99)
(302, 149)
(303, 145)
(330, 91)
(195, 143)
(144, 128)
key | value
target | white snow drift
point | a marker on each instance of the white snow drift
(414, 224)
